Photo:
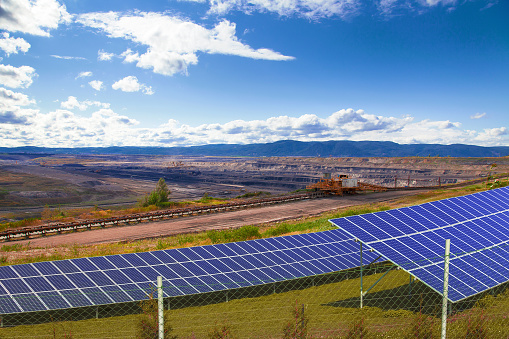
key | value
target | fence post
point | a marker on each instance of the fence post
(446, 287)
(362, 293)
(160, 306)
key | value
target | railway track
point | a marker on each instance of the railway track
(59, 228)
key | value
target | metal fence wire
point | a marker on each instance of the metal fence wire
(374, 301)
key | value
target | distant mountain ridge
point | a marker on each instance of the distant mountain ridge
(288, 148)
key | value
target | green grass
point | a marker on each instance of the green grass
(20, 223)
(253, 194)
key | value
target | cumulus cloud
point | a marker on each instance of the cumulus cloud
(478, 115)
(13, 45)
(10, 98)
(10, 107)
(131, 84)
(72, 102)
(104, 56)
(35, 17)
(16, 77)
(310, 9)
(84, 74)
(488, 135)
(96, 84)
(172, 43)
(105, 128)
(62, 127)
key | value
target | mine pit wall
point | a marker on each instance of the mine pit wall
(124, 178)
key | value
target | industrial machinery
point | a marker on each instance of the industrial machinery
(342, 184)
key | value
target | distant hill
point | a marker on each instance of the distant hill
(288, 148)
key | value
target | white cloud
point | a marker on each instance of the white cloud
(387, 7)
(16, 77)
(390, 8)
(10, 107)
(147, 90)
(35, 17)
(64, 128)
(489, 135)
(96, 84)
(65, 57)
(72, 102)
(104, 56)
(127, 84)
(84, 74)
(172, 43)
(10, 98)
(437, 2)
(13, 45)
(478, 115)
(131, 84)
(105, 128)
(310, 9)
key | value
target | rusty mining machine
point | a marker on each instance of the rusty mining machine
(342, 184)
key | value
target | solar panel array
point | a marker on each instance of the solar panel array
(129, 277)
(414, 238)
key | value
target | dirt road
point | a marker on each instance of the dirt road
(253, 216)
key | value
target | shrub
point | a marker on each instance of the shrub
(421, 327)
(147, 325)
(297, 327)
(358, 329)
(158, 196)
(223, 331)
(476, 325)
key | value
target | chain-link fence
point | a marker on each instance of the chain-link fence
(394, 305)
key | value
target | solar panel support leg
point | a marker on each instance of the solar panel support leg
(97, 312)
(376, 282)
(446, 287)
(410, 285)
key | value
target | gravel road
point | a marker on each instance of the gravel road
(252, 216)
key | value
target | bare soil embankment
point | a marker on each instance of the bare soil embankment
(226, 220)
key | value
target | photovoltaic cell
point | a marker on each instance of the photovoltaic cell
(414, 238)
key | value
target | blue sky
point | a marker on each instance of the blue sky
(179, 73)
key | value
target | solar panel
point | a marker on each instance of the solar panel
(130, 277)
(414, 238)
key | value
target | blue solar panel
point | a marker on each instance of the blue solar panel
(476, 224)
(80, 280)
(131, 277)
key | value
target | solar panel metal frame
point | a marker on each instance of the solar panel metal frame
(470, 226)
